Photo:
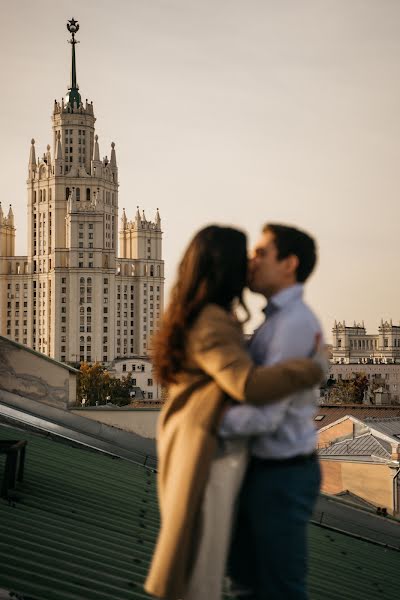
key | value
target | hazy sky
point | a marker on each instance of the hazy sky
(230, 111)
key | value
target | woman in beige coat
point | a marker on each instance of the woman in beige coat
(199, 354)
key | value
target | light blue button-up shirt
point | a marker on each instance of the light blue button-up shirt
(285, 429)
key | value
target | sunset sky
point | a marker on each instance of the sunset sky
(230, 111)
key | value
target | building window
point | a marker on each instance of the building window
(149, 382)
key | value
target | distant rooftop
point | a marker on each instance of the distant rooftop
(328, 413)
(364, 446)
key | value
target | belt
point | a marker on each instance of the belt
(275, 462)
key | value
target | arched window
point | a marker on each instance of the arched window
(78, 194)
(44, 195)
(89, 281)
(82, 339)
(158, 271)
(66, 193)
(89, 309)
(40, 196)
(87, 194)
(152, 271)
(50, 195)
(89, 338)
(82, 280)
(34, 197)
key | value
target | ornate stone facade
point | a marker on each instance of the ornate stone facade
(351, 344)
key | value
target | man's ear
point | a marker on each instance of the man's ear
(292, 263)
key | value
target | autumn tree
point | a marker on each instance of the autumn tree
(95, 384)
(349, 391)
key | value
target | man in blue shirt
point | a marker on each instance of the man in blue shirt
(269, 550)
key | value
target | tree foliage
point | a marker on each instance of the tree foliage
(349, 391)
(95, 384)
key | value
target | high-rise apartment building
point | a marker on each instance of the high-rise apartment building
(72, 297)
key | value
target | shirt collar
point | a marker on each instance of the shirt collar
(286, 296)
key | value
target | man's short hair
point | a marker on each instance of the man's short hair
(291, 241)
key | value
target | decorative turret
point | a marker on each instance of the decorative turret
(32, 160)
(158, 220)
(7, 233)
(141, 239)
(113, 159)
(10, 217)
(124, 220)
(96, 153)
(48, 156)
(97, 165)
(138, 220)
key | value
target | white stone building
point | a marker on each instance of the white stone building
(351, 344)
(72, 297)
(141, 371)
(377, 356)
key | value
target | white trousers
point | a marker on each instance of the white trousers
(218, 512)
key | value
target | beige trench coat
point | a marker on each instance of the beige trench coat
(218, 366)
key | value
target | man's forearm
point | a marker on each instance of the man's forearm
(245, 421)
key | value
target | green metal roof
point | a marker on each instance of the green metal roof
(84, 524)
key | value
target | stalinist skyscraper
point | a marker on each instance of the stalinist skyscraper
(72, 297)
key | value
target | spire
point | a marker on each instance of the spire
(144, 216)
(10, 217)
(138, 220)
(124, 220)
(58, 147)
(73, 94)
(32, 155)
(48, 155)
(96, 153)
(158, 220)
(113, 159)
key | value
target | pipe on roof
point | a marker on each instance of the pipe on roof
(395, 492)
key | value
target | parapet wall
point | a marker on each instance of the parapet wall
(35, 376)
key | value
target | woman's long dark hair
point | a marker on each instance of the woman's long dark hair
(213, 270)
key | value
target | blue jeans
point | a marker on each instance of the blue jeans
(269, 548)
